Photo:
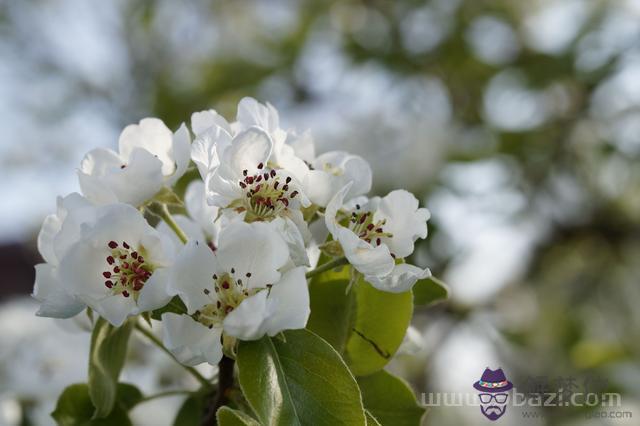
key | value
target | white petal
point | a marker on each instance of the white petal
(405, 221)
(154, 294)
(115, 309)
(195, 201)
(331, 212)
(152, 135)
(191, 342)
(249, 148)
(192, 273)
(302, 146)
(203, 120)
(256, 248)
(95, 165)
(253, 113)
(50, 228)
(401, 279)
(295, 241)
(181, 153)
(335, 169)
(289, 303)
(363, 256)
(140, 180)
(247, 320)
(159, 248)
(103, 180)
(81, 272)
(207, 149)
(77, 211)
(54, 299)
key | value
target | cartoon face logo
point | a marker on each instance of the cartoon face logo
(494, 388)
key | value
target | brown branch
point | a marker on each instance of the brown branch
(225, 383)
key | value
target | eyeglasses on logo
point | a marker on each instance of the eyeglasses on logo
(493, 387)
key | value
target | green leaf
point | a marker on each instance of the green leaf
(128, 396)
(300, 381)
(230, 417)
(191, 411)
(371, 421)
(366, 325)
(390, 400)
(106, 359)
(428, 291)
(74, 407)
(175, 305)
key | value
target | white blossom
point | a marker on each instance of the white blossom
(378, 233)
(149, 157)
(240, 290)
(107, 258)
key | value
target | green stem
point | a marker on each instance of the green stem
(164, 213)
(152, 337)
(163, 395)
(327, 266)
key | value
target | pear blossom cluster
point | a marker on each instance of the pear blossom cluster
(246, 196)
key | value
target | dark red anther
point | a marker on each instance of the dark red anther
(266, 176)
(257, 188)
(393, 255)
(140, 259)
(249, 180)
(284, 201)
(285, 187)
(110, 260)
(108, 283)
(259, 178)
(113, 244)
(116, 269)
(123, 256)
(288, 179)
(218, 304)
(260, 166)
(228, 309)
(272, 173)
(244, 172)
(378, 241)
(275, 185)
(379, 230)
(124, 265)
(206, 291)
(134, 254)
(363, 218)
(293, 194)
(243, 185)
(125, 245)
(106, 274)
(225, 285)
(125, 293)
(370, 226)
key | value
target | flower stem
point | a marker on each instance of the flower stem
(164, 213)
(327, 266)
(152, 337)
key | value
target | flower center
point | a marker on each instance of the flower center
(267, 194)
(361, 223)
(127, 271)
(230, 291)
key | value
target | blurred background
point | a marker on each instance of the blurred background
(517, 123)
